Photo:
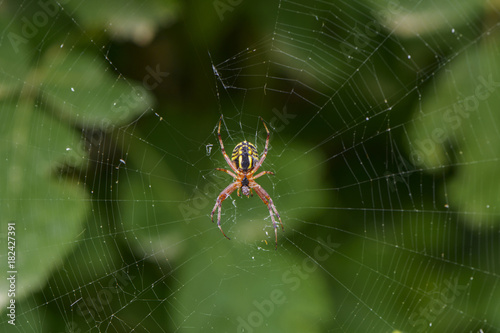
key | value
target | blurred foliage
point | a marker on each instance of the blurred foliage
(108, 110)
(460, 127)
(46, 98)
(33, 142)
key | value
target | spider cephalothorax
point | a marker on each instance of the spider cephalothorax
(245, 162)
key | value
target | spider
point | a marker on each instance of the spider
(245, 162)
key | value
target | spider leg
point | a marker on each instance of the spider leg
(263, 173)
(226, 171)
(228, 160)
(264, 196)
(218, 204)
(264, 154)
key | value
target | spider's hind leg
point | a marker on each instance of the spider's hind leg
(218, 204)
(272, 209)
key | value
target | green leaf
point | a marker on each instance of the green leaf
(82, 89)
(14, 59)
(48, 209)
(410, 18)
(136, 20)
(249, 296)
(457, 128)
(41, 104)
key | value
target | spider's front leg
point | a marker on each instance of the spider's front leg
(227, 171)
(218, 203)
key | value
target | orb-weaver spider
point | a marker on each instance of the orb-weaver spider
(245, 162)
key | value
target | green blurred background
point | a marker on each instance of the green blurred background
(384, 140)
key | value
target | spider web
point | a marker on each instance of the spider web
(384, 136)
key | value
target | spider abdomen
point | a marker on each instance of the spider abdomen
(245, 156)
